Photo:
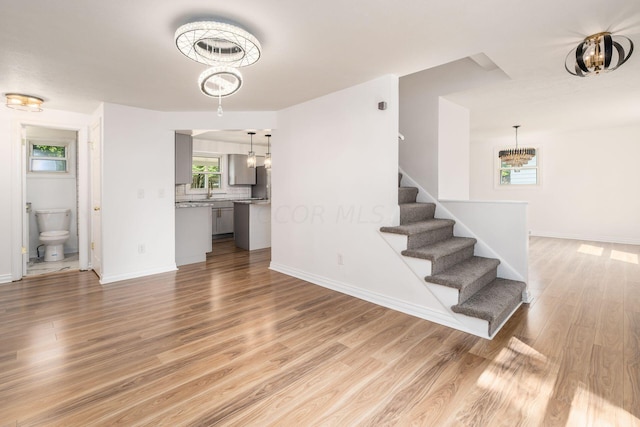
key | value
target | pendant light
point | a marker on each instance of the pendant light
(267, 158)
(516, 157)
(251, 159)
(598, 53)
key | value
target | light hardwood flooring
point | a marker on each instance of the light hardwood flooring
(230, 342)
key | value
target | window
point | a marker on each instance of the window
(206, 173)
(525, 175)
(48, 158)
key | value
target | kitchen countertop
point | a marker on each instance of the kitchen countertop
(253, 202)
(214, 202)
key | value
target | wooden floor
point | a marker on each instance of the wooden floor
(233, 343)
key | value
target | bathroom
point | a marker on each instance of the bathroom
(51, 185)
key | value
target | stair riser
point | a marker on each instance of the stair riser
(414, 213)
(447, 261)
(416, 241)
(483, 281)
(407, 195)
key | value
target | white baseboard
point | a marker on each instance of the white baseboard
(6, 278)
(587, 237)
(382, 300)
(119, 277)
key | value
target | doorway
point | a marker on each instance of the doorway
(50, 190)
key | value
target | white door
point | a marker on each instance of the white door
(95, 141)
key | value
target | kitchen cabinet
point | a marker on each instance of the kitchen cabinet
(222, 220)
(184, 155)
(193, 234)
(252, 224)
(239, 172)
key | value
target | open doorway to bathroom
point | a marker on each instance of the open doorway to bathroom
(51, 192)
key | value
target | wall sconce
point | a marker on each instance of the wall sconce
(18, 101)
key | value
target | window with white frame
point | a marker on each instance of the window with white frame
(527, 174)
(206, 173)
(49, 157)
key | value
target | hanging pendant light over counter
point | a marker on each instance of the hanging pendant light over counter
(267, 158)
(251, 159)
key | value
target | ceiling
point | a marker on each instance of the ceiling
(76, 54)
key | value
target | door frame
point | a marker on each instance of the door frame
(19, 190)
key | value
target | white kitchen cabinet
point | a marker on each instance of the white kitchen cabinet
(184, 155)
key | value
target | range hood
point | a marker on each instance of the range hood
(239, 172)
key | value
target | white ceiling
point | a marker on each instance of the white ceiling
(76, 54)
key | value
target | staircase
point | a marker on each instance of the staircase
(480, 293)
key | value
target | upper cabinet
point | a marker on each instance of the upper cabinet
(239, 172)
(184, 155)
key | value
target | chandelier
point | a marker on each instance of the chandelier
(598, 53)
(516, 157)
(18, 101)
(222, 45)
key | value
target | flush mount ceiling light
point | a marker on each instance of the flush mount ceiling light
(219, 82)
(598, 53)
(217, 43)
(251, 158)
(18, 101)
(516, 157)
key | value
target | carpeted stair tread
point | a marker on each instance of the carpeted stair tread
(419, 227)
(414, 212)
(407, 194)
(494, 302)
(468, 277)
(441, 249)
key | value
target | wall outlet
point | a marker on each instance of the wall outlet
(141, 248)
(340, 260)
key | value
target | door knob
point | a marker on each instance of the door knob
(96, 208)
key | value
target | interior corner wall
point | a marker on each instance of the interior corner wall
(589, 180)
(453, 151)
(419, 115)
(334, 180)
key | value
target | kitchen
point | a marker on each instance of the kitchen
(218, 192)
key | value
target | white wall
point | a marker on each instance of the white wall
(589, 183)
(453, 151)
(11, 198)
(419, 115)
(335, 184)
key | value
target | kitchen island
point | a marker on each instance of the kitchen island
(252, 224)
(193, 232)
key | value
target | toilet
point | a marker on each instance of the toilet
(53, 225)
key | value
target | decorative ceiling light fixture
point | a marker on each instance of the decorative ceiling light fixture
(219, 82)
(251, 159)
(217, 43)
(598, 53)
(516, 157)
(267, 157)
(222, 45)
(18, 101)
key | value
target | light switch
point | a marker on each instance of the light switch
(140, 193)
